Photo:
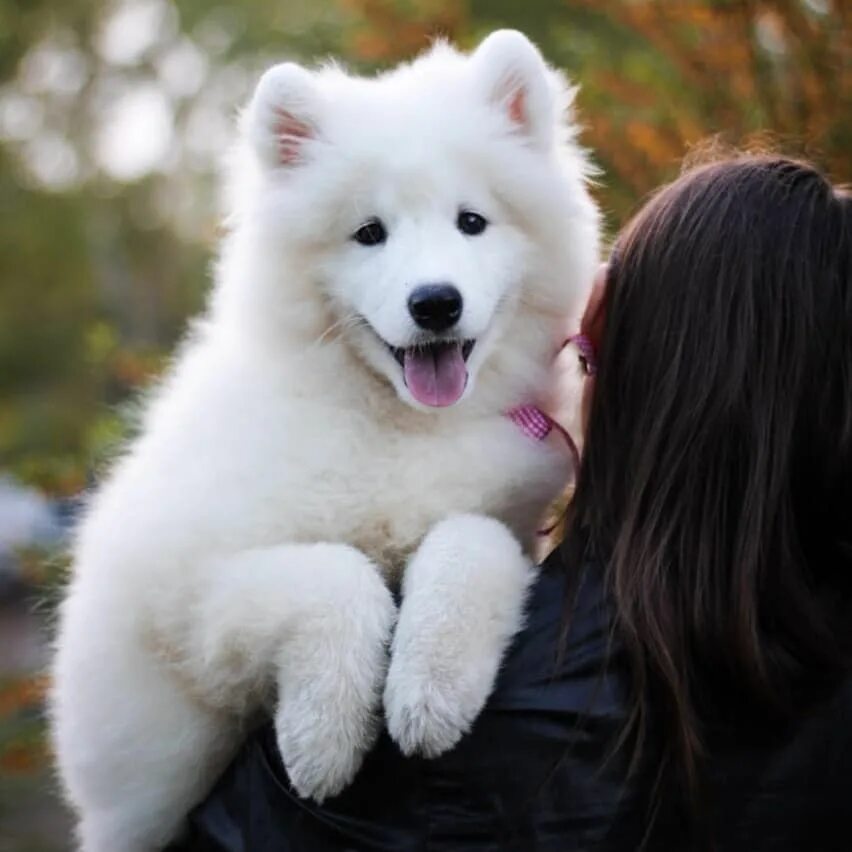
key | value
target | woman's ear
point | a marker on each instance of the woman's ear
(592, 326)
(594, 317)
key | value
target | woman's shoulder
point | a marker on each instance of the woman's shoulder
(565, 662)
(787, 789)
(537, 771)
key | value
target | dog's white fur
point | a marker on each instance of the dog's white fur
(237, 556)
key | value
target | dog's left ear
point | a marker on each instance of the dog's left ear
(513, 75)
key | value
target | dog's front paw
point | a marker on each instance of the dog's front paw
(322, 742)
(429, 708)
(330, 681)
(464, 592)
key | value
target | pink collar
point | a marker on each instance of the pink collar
(535, 424)
(531, 420)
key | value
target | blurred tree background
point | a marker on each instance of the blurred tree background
(114, 115)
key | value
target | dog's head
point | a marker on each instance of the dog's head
(429, 207)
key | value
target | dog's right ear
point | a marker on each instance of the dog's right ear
(282, 118)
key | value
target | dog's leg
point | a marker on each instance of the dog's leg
(463, 598)
(141, 737)
(317, 618)
(135, 751)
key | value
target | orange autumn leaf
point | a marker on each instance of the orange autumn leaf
(22, 759)
(22, 694)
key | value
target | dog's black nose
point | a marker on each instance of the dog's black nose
(435, 307)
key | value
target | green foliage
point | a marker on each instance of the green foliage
(99, 269)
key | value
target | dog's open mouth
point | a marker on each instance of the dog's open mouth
(435, 373)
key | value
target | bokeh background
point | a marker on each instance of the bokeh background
(114, 116)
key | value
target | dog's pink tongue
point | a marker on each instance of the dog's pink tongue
(435, 375)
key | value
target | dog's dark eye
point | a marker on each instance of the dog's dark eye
(471, 223)
(371, 233)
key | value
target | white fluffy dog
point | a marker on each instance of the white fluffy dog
(403, 253)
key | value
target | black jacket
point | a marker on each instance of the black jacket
(537, 773)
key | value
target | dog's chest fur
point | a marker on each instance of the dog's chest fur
(378, 488)
(239, 461)
(397, 492)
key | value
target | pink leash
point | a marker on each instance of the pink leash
(536, 424)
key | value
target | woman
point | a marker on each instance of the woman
(684, 679)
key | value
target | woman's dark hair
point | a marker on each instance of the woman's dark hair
(716, 482)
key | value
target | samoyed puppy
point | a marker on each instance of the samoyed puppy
(402, 256)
